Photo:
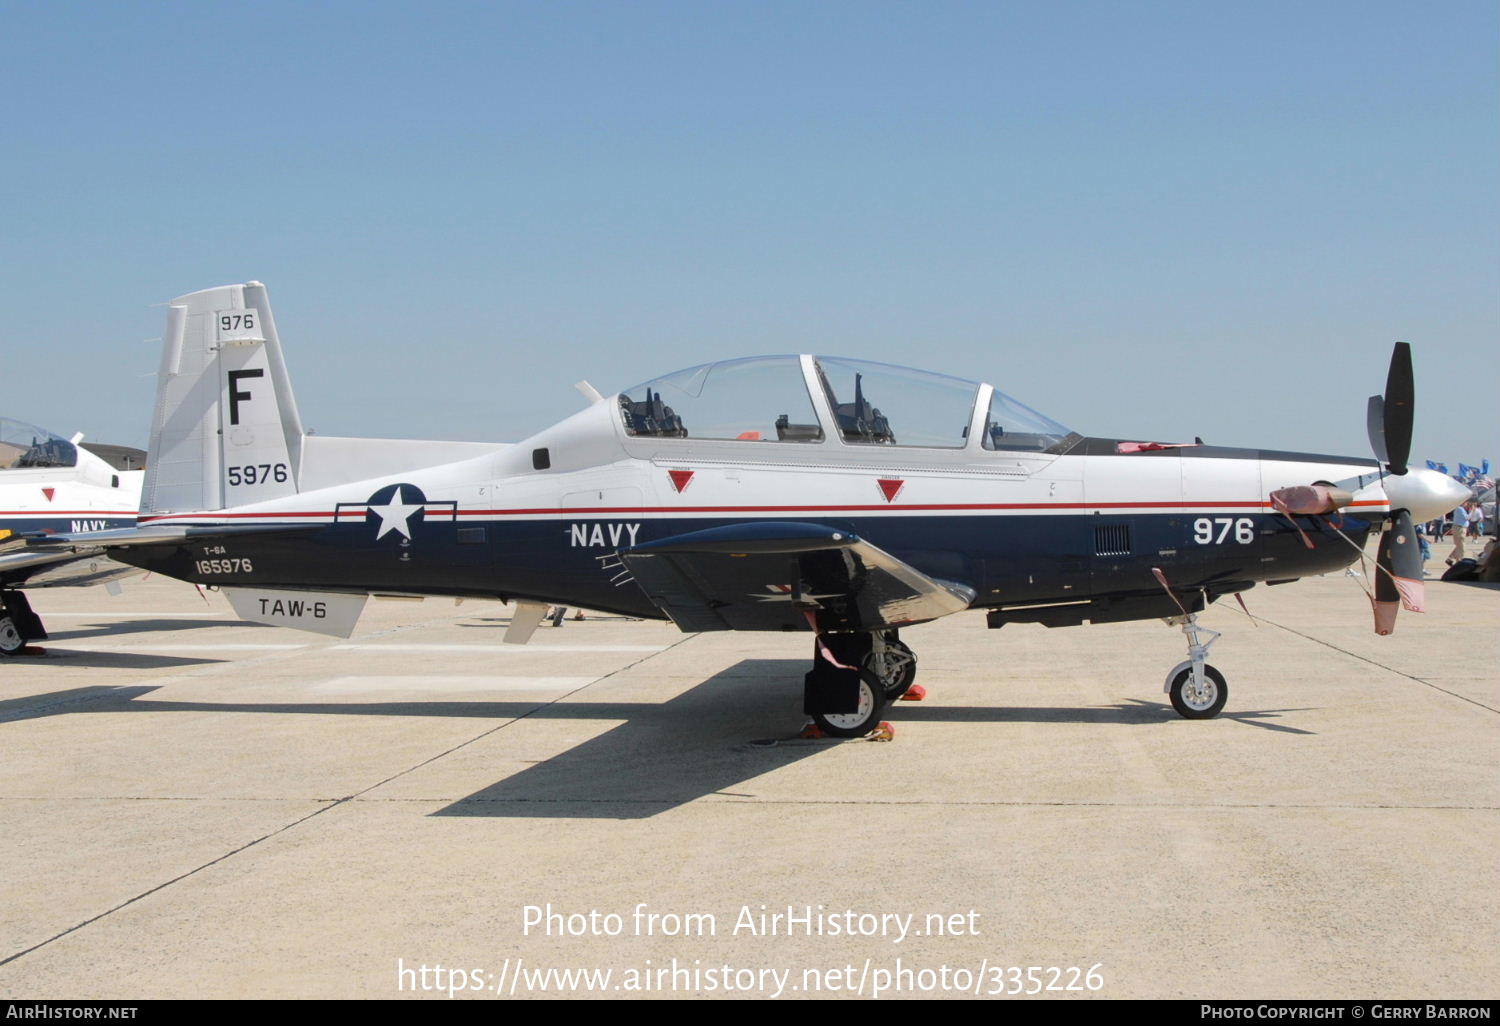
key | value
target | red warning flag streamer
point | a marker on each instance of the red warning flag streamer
(812, 621)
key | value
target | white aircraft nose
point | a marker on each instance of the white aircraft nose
(1428, 494)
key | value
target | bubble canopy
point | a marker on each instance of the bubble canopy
(859, 402)
(27, 447)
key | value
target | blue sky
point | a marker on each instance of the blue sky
(1152, 220)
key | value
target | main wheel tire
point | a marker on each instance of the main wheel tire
(901, 669)
(1204, 705)
(11, 642)
(872, 702)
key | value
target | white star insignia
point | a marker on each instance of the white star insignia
(394, 515)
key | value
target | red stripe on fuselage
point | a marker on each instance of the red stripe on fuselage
(95, 513)
(730, 510)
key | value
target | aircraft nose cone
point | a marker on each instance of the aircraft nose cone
(1427, 494)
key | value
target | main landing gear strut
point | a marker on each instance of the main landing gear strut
(854, 677)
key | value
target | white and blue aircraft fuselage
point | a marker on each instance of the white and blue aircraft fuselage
(51, 485)
(807, 493)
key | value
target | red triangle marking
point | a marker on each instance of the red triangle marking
(680, 478)
(890, 488)
(48, 493)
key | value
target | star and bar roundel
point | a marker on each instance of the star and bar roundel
(395, 509)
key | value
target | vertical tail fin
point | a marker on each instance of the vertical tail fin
(226, 431)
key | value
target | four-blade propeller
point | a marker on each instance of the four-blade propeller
(1411, 495)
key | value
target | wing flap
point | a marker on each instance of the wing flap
(771, 576)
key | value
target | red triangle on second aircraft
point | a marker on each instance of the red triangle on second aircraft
(890, 487)
(48, 493)
(680, 478)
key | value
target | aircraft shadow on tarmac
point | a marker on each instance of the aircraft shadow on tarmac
(697, 744)
(114, 627)
(708, 740)
(73, 658)
(57, 652)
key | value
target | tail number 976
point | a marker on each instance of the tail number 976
(1221, 529)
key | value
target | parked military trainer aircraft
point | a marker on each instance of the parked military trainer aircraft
(823, 494)
(48, 485)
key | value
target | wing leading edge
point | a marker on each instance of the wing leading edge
(771, 576)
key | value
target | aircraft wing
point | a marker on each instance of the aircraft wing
(771, 576)
(57, 569)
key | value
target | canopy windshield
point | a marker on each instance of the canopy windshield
(25, 446)
(759, 399)
(1014, 427)
(765, 399)
(877, 404)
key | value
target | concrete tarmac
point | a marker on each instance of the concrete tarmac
(195, 807)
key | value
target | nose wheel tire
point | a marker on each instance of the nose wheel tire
(1198, 703)
(900, 669)
(864, 719)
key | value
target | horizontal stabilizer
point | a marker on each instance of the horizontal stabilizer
(50, 568)
(154, 534)
(79, 571)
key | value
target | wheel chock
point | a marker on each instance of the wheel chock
(33, 650)
(883, 732)
(915, 693)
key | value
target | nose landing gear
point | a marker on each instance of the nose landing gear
(1197, 690)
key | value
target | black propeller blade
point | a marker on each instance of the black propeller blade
(1375, 428)
(1398, 581)
(1393, 413)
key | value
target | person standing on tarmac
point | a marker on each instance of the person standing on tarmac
(1460, 528)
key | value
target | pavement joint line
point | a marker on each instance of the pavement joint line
(1424, 681)
(327, 804)
(168, 883)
